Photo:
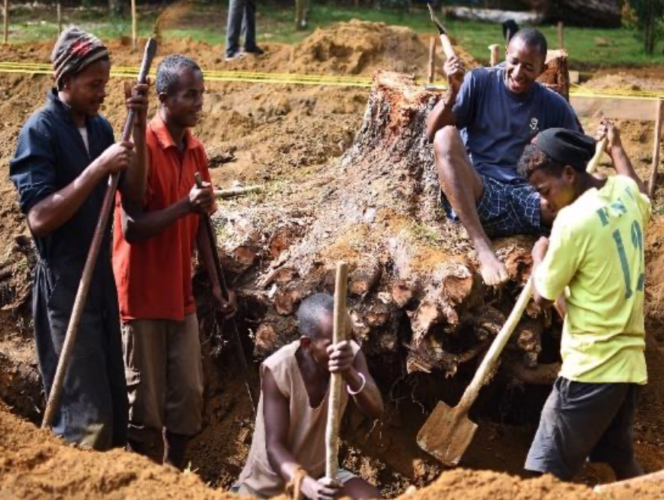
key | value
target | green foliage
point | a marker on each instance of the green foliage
(650, 21)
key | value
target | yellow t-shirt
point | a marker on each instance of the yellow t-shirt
(596, 249)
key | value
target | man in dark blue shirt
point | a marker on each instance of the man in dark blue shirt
(64, 157)
(479, 130)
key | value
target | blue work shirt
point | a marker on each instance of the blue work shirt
(496, 124)
(49, 156)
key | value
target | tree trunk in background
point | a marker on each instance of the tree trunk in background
(115, 7)
(595, 13)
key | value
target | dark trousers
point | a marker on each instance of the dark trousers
(241, 19)
(93, 408)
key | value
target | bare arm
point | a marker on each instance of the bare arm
(369, 400)
(277, 423)
(58, 208)
(135, 181)
(442, 115)
(616, 151)
(138, 225)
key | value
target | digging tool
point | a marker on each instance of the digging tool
(225, 293)
(448, 49)
(334, 403)
(447, 433)
(91, 260)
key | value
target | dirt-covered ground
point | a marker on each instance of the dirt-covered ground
(286, 137)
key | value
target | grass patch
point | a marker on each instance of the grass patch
(589, 48)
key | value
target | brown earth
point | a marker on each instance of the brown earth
(285, 137)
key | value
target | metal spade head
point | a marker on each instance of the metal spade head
(447, 433)
(439, 25)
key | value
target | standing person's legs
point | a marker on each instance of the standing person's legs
(184, 397)
(115, 363)
(463, 188)
(236, 10)
(145, 345)
(616, 447)
(576, 421)
(249, 26)
(85, 414)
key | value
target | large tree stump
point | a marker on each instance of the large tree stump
(414, 289)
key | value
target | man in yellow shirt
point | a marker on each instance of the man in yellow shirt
(595, 252)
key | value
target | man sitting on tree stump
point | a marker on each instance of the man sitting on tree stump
(479, 130)
(288, 448)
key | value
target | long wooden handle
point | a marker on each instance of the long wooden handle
(594, 161)
(91, 261)
(336, 380)
(489, 362)
(221, 278)
(448, 48)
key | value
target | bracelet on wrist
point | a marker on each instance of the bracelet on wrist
(364, 383)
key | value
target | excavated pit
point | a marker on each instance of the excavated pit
(348, 176)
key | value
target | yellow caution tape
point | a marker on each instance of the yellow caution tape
(309, 79)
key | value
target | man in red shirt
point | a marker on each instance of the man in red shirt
(152, 261)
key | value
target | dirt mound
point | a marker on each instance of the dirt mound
(361, 47)
(624, 81)
(468, 485)
(36, 465)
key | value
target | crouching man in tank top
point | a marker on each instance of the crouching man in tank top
(289, 439)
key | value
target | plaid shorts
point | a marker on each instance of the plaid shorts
(505, 209)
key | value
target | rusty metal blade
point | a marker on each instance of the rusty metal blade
(446, 434)
(439, 25)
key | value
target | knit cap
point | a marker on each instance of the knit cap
(74, 51)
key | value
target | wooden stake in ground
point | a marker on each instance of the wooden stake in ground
(5, 14)
(238, 191)
(334, 404)
(91, 260)
(495, 54)
(561, 41)
(432, 60)
(655, 153)
(59, 14)
(134, 25)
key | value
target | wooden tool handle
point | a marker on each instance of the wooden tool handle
(448, 48)
(594, 161)
(221, 278)
(90, 262)
(489, 362)
(336, 380)
(215, 255)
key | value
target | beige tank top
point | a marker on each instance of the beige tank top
(306, 435)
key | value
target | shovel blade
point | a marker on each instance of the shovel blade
(446, 434)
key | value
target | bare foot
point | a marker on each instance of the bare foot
(492, 269)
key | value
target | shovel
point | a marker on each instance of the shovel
(447, 433)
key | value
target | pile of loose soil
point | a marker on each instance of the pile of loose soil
(36, 465)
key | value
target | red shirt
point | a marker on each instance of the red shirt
(154, 276)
